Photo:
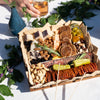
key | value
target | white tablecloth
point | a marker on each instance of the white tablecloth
(85, 90)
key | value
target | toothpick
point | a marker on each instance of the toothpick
(76, 86)
(57, 83)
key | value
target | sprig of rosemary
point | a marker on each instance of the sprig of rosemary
(50, 50)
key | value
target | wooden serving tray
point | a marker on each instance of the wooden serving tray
(91, 48)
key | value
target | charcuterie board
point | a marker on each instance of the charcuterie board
(60, 53)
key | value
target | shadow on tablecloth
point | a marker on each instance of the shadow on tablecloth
(23, 86)
(4, 30)
(63, 93)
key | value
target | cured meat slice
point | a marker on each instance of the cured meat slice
(65, 60)
(94, 66)
(66, 51)
(70, 73)
(85, 69)
(81, 68)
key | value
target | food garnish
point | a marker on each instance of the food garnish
(80, 62)
(76, 33)
(82, 55)
(50, 50)
(61, 67)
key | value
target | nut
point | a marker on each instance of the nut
(37, 49)
(37, 78)
(36, 81)
(43, 80)
(31, 70)
(33, 66)
(35, 71)
(33, 76)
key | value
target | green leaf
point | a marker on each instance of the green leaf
(4, 90)
(13, 4)
(81, 56)
(11, 82)
(79, 1)
(87, 2)
(35, 23)
(52, 19)
(9, 75)
(18, 76)
(28, 16)
(4, 65)
(5, 71)
(1, 98)
(8, 46)
(6, 1)
(1, 70)
(24, 9)
(43, 21)
(2, 78)
(14, 55)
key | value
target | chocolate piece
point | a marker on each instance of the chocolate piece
(44, 33)
(36, 34)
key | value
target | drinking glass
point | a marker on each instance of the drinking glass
(41, 5)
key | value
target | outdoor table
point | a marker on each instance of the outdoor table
(84, 90)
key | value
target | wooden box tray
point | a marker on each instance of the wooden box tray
(27, 35)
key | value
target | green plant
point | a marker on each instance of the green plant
(12, 4)
(8, 70)
(71, 10)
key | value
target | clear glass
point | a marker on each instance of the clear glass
(41, 5)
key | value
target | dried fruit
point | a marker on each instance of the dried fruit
(66, 51)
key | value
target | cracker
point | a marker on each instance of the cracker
(61, 23)
(33, 30)
(29, 37)
(83, 29)
(68, 23)
(76, 22)
(95, 49)
(47, 25)
(87, 40)
(95, 58)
